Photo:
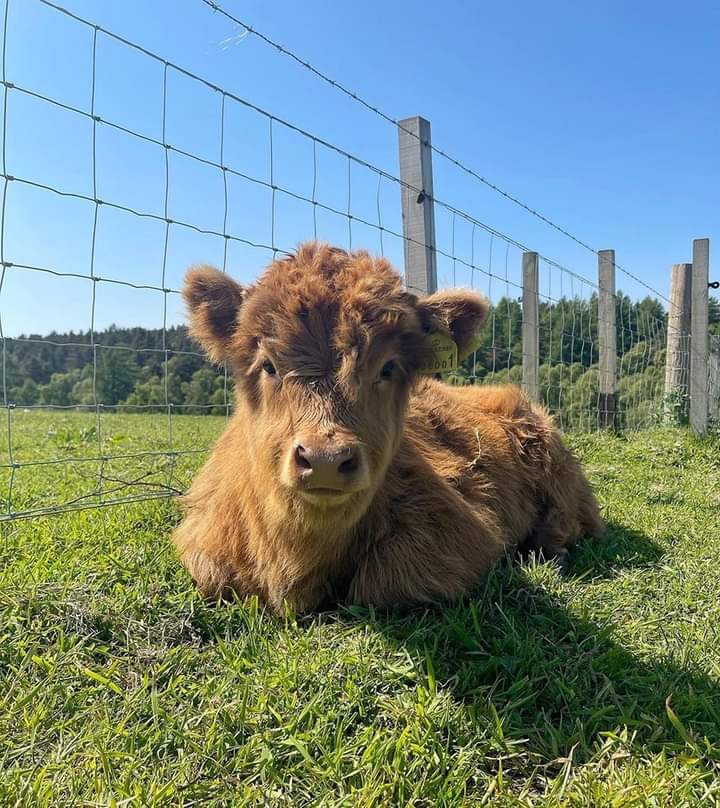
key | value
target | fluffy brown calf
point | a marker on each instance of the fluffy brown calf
(343, 473)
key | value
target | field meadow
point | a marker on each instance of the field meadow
(119, 686)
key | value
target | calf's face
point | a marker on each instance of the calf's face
(324, 347)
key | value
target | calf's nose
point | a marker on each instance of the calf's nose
(327, 467)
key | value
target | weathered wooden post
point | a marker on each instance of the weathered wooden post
(699, 336)
(607, 336)
(530, 326)
(677, 360)
(418, 212)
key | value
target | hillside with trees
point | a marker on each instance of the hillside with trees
(145, 370)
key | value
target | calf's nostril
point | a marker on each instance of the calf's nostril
(301, 458)
(349, 466)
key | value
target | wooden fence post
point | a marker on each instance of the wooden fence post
(677, 361)
(530, 326)
(418, 213)
(699, 336)
(607, 337)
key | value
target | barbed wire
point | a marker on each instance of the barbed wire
(435, 149)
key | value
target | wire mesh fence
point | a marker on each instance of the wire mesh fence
(569, 338)
(714, 381)
(92, 245)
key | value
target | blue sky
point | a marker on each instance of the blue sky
(605, 117)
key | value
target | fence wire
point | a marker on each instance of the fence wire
(444, 155)
(77, 429)
(568, 340)
(714, 381)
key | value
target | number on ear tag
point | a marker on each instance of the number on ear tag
(441, 354)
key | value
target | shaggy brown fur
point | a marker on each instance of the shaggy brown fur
(342, 472)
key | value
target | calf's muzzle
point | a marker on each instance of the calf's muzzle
(328, 466)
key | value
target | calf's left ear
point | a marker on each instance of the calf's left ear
(458, 312)
(213, 300)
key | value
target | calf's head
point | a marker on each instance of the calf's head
(325, 348)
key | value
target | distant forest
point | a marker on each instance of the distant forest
(131, 368)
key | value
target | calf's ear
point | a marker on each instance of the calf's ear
(458, 312)
(213, 300)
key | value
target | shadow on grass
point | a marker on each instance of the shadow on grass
(559, 682)
(621, 548)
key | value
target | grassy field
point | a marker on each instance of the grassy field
(119, 686)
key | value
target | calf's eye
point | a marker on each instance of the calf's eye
(269, 368)
(387, 370)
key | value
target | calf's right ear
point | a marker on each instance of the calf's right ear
(461, 311)
(213, 300)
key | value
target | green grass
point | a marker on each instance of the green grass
(600, 686)
(68, 459)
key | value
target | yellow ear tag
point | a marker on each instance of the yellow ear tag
(441, 354)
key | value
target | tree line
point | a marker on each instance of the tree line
(148, 368)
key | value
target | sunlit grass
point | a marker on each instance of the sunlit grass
(600, 686)
(68, 459)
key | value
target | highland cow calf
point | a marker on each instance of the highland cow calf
(343, 472)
